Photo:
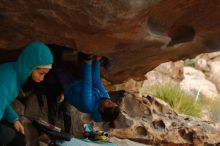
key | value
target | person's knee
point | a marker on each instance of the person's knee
(19, 139)
(7, 134)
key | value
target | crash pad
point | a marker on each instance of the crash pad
(84, 142)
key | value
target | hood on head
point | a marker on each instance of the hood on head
(33, 55)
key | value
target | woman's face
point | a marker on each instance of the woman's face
(38, 74)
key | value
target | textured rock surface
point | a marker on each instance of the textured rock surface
(195, 82)
(138, 35)
(209, 63)
(152, 121)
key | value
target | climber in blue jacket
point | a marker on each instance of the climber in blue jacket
(88, 94)
(34, 61)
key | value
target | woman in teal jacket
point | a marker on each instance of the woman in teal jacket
(35, 61)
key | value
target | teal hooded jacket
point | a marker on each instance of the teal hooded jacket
(13, 75)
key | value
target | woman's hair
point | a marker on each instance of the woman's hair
(110, 113)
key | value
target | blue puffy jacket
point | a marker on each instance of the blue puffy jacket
(86, 94)
(14, 74)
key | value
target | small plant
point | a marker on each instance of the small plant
(178, 99)
(213, 109)
(189, 62)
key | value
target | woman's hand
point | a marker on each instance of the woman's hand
(18, 126)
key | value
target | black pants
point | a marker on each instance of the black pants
(53, 110)
(10, 137)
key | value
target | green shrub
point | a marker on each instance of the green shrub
(213, 109)
(211, 106)
(179, 100)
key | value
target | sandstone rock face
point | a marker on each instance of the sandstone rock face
(136, 35)
(210, 63)
(195, 82)
(214, 74)
(152, 121)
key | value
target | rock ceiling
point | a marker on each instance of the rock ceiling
(136, 34)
